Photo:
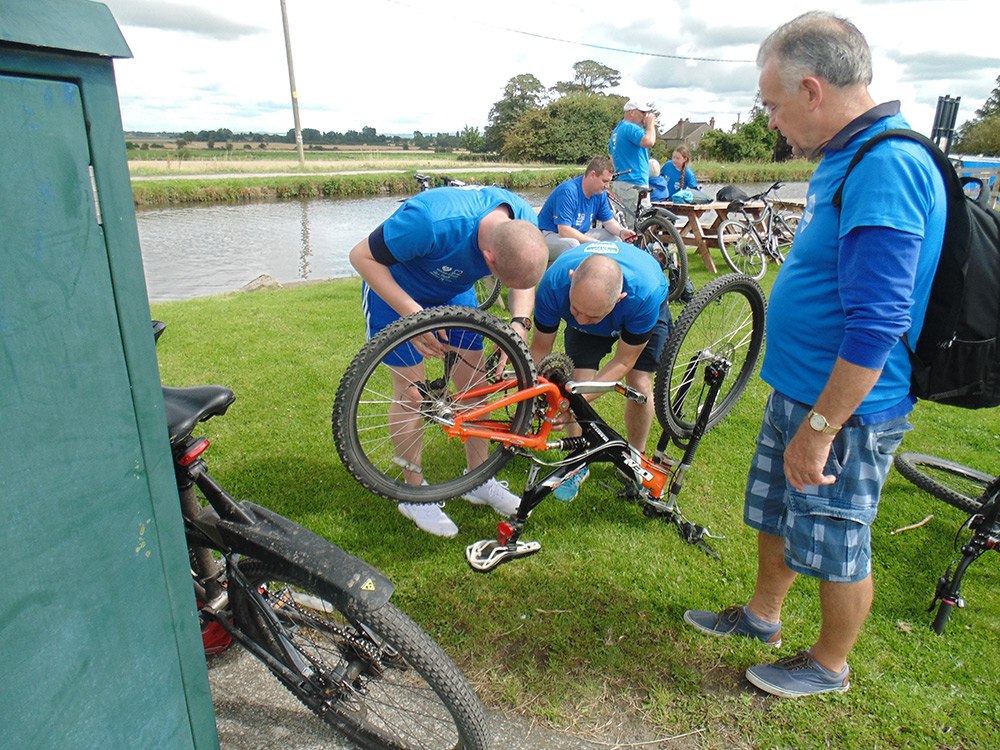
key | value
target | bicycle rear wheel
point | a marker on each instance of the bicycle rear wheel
(661, 239)
(741, 249)
(955, 484)
(724, 320)
(374, 676)
(488, 291)
(392, 405)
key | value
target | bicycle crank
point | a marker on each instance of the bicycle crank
(487, 554)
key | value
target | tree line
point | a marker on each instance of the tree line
(570, 122)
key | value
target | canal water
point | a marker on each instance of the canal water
(198, 251)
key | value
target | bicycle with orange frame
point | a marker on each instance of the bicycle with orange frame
(421, 430)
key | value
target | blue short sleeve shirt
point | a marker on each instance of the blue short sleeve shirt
(568, 205)
(626, 153)
(644, 284)
(433, 239)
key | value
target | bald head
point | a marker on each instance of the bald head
(595, 289)
(519, 254)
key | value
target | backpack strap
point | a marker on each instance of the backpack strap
(948, 275)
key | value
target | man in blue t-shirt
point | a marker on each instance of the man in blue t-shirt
(629, 148)
(855, 282)
(611, 295)
(566, 217)
(431, 252)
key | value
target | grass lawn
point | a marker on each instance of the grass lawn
(587, 634)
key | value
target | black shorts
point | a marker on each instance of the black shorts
(587, 350)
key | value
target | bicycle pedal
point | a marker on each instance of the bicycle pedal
(487, 554)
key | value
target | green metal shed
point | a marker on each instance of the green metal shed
(99, 639)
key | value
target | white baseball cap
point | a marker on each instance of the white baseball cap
(636, 104)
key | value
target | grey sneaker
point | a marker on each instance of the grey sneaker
(798, 676)
(429, 517)
(732, 621)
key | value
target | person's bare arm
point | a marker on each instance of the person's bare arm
(617, 229)
(379, 278)
(649, 139)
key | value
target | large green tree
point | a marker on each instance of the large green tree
(523, 93)
(572, 129)
(589, 77)
(981, 135)
(751, 141)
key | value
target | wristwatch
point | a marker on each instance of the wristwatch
(818, 422)
(525, 322)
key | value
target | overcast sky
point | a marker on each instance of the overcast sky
(438, 65)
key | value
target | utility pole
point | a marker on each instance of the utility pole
(291, 83)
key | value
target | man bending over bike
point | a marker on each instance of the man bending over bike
(611, 295)
(570, 209)
(431, 252)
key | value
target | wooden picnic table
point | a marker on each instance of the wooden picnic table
(702, 232)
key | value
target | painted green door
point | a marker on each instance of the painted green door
(91, 644)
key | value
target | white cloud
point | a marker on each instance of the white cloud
(432, 65)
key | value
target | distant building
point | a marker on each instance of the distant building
(686, 133)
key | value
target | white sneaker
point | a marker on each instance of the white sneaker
(429, 517)
(496, 495)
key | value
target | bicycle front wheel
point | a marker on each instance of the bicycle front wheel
(724, 322)
(741, 249)
(946, 480)
(375, 676)
(393, 406)
(661, 239)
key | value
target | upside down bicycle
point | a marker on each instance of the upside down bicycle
(970, 491)
(317, 617)
(402, 430)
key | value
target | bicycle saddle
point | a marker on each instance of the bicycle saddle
(186, 407)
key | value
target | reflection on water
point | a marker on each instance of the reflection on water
(202, 250)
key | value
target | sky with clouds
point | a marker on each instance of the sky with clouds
(439, 65)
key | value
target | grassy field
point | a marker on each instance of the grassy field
(215, 175)
(587, 634)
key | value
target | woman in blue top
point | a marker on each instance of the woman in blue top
(679, 175)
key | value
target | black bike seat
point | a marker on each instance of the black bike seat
(186, 407)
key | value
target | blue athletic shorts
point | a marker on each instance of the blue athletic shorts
(827, 529)
(378, 315)
(587, 350)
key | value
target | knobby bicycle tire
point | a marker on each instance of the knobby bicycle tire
(741, 249)
(951, 482)
(724, 319)
(488, 291)
(661, 239)
(389, 444)
(375, 676)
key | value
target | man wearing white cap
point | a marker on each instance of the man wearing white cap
(629, 147)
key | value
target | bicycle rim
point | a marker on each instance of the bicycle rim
(488, 291)
(725, 319)
(374, 676)
(661, 239)
(741, 249)
(389, 420)
(951, 482)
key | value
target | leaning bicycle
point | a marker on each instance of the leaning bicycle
(317, 617)
(656, 234)
(749, 242)
(972, 492)
(403, 429)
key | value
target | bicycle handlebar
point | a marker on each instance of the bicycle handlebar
(616, 175)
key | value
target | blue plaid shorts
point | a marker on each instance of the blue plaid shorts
(827, 529)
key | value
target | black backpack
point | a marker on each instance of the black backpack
(956, 360)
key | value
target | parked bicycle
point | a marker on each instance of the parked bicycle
(390, 444)
(970, 491)
(488, 289)
(748, 242)
(656, 234)
(318, 618)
